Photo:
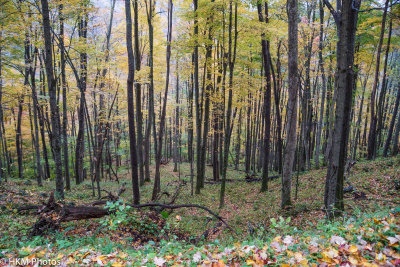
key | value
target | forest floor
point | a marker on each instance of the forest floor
(260, 236)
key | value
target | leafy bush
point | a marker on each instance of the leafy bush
(124, 217)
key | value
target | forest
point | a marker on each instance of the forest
(199, 132)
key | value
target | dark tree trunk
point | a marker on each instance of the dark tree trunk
(2, 176)
(392, 122)
(198, 105)
(207, 90)
(131, 111)
(321, 66)
(267, 98)
(151, 117)
(64, 103)
(80, 141)
(55, 116)
(290, 149)
(381, 103)
(346, 22)
(238, 140)
(229, 121)
(177, 159)
(157, 179)
(139, 117)
(35, 121)
(373, 123)
(396, 137)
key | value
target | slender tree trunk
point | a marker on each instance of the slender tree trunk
(395, 150)
(231, 62)
(358, 127)
(248, 134)
(176, 128)
(321, 66)
(373, 124)
(207, 91)
(290, 149)
(131, 111)
(346, 22)
(35, 122)
(392, 122)
(381, 103)
(2, 176)
(238, 140)
(157, 182)
(64, 102)
(138, 90)
(80, 142)
(267, 97)
(150, 5)
(198, 105)
(55, 116)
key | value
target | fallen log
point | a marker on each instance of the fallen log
(52, 214)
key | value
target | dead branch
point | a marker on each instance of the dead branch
(52, 214)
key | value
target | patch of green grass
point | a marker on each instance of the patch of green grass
(244, 204)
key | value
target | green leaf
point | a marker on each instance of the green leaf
(165, 214)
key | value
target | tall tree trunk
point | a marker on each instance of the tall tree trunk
(381, 103)
(80, 142)
(290, 149)
(100, 118)
(248, 134)
(42, 118)
(131, 111)
(150, 5)
(1, 116)
(277, 100)
(229, 121)
(373, 124)
(396, 137)
(321, 66)
(55, 116)
(392, 122)
(64, 103)
(35, 121)
(157, 182)
(198, 105)
(358, 127)
(138, 90)
(206, 91)
(176, 128)
(267, 97)
(238, 140)
(346, 22)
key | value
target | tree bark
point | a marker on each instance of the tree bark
(373, 123)
(157, 182)
(267, 97)
(321, 66)
(151, 117)
(138, 90)
(290, 149)
(55, 116)
(392, 122)
(381, 103)
(131, 111)
(346, 22)
(229, 121)
(64, 101)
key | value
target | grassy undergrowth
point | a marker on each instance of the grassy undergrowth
(260, 236)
